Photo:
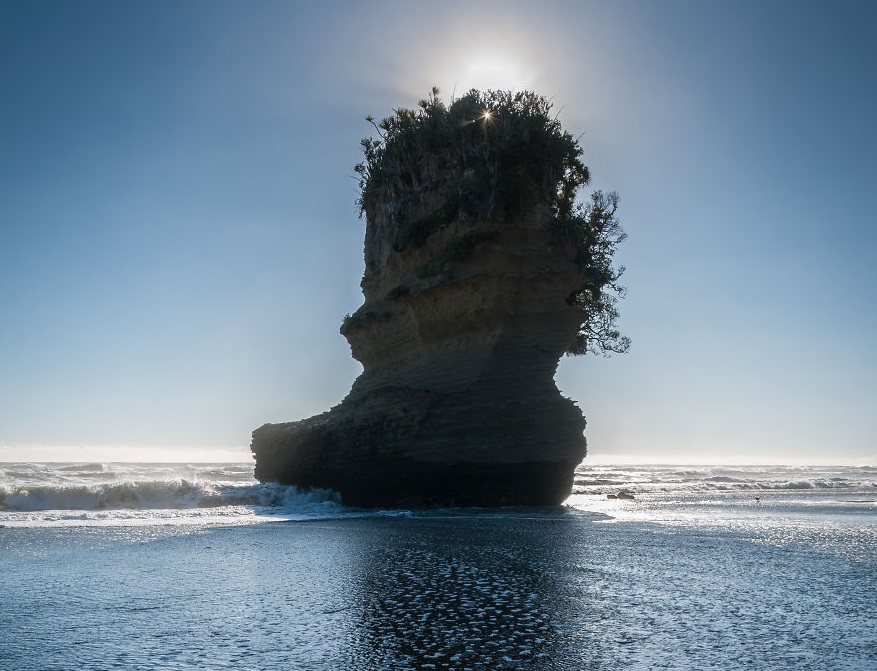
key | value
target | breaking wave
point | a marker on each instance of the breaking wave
(33, 494)
(608, 479)
(180, 494)
(94, 493)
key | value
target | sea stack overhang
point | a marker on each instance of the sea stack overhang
(457, 403)
(469, 305)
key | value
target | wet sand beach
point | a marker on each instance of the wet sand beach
(537, 589)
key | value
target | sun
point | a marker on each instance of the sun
(494, 69)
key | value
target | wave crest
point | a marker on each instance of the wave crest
(178, 494)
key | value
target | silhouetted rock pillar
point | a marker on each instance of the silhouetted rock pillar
(459, 337)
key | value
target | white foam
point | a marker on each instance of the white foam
(135, 494)
(607, 479)
(40, 494)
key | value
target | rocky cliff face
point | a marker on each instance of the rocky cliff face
(481, 270)
(459, 337)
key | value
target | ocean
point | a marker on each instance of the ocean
(198, 566)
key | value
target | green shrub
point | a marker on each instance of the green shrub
(495, 156)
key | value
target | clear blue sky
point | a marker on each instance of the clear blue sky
(179, 239)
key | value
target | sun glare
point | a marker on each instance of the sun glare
(493, 70)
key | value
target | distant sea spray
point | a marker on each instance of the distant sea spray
(59, 494)
(31, 494)
(664, 479)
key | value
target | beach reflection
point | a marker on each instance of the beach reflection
(464, 592)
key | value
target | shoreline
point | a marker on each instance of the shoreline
(535, 591)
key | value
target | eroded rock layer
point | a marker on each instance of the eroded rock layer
(459, 337)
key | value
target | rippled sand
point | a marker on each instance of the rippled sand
(523, 590)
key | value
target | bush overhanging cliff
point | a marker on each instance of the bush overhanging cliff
(492, 157)
(481, 270)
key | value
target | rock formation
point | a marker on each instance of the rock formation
(467, 311)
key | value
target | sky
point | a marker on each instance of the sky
(179, 236)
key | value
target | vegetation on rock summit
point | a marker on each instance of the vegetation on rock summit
(495, 156)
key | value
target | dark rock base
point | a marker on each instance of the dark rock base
(411, 484)
(405, 448)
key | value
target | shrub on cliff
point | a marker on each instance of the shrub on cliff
(494, 156)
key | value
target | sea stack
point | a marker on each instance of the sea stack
(480, 273)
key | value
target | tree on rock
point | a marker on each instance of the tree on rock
(495, 156)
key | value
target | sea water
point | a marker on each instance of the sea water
(197, 566)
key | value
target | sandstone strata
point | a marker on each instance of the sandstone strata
(459, 337)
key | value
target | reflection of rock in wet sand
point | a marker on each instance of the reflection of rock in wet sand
(442, 610)
(456, 596)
